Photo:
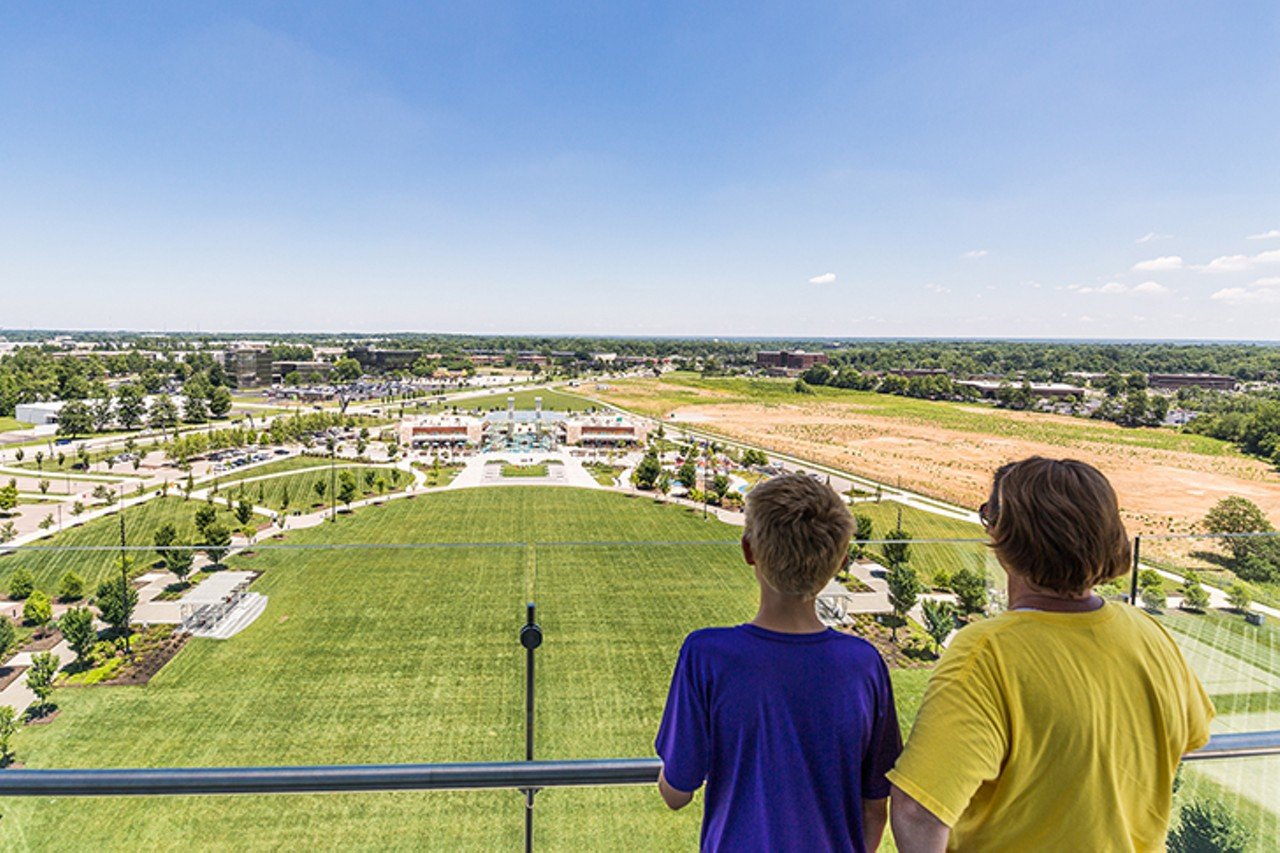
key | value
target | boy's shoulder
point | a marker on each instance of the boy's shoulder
(731, 641)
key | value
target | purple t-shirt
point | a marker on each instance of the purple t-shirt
(789, 731)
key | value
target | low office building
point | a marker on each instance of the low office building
(38, 414)
(605, 430)
(247, 367)
(1174, 381)
(442, 431)
(789, 359)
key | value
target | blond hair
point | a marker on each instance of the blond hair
(799, 532)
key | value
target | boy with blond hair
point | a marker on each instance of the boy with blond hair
(790, 724)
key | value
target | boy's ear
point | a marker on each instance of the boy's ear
(746, 551)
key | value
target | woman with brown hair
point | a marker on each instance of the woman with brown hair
(1059, 724)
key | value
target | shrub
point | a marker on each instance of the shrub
(20, 584)
(71, 587)
(1209, 827)
(1239, 596)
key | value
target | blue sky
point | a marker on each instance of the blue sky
(843, 169)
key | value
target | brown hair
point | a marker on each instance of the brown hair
(1057, 523)
(799, 532)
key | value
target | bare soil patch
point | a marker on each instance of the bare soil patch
(1160, 490)
(43, 642)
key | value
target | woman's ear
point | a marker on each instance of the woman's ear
(746, 551)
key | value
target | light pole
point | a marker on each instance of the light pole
(333, 475)
(124, 575)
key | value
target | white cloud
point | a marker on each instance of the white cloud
(1151, 287)
(937, 288)
(1167, 262)
(1270, 281)
(1151, 237)
(825, 278)
(1266, 235)
(975, 253)
(1112, 287)
(1240, 263)
(1229, 263)
(1245, 296)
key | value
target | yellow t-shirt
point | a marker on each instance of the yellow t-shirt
(1055, 731)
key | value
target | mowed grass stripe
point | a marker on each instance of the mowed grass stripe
(47, 564)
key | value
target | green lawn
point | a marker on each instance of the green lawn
(8, 424)
(605, 475)
(300, 487)
(49, 564)
(518, 471)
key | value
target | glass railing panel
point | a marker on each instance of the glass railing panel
(360, 654)
(1216, 595)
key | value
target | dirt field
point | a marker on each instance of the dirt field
(1161, 489)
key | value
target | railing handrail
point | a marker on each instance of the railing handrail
(352, 778)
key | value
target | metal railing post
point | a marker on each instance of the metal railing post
(530, 638)
(1137, 561)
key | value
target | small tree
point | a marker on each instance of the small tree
(44, 487)
(347, 489)
(646, 473)
(206, 517)
(863, 530)
(70, 587)
(44, 667)
(244, 512)
(8, 728)
(898, 551)
(284, 499)
(1194, 596)
(663, 484)
(217, 542)
(21, 583)
(1209, 827)
(1239, 597)
(179, 560)
(904, 591)
(116, 598)
(9, 496)
(77, 626)
(970, 588)
(321, 487)
(939, 621)
(7, 636)
(77, 508)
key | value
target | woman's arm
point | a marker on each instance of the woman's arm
(915, 828)
(875, 815)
